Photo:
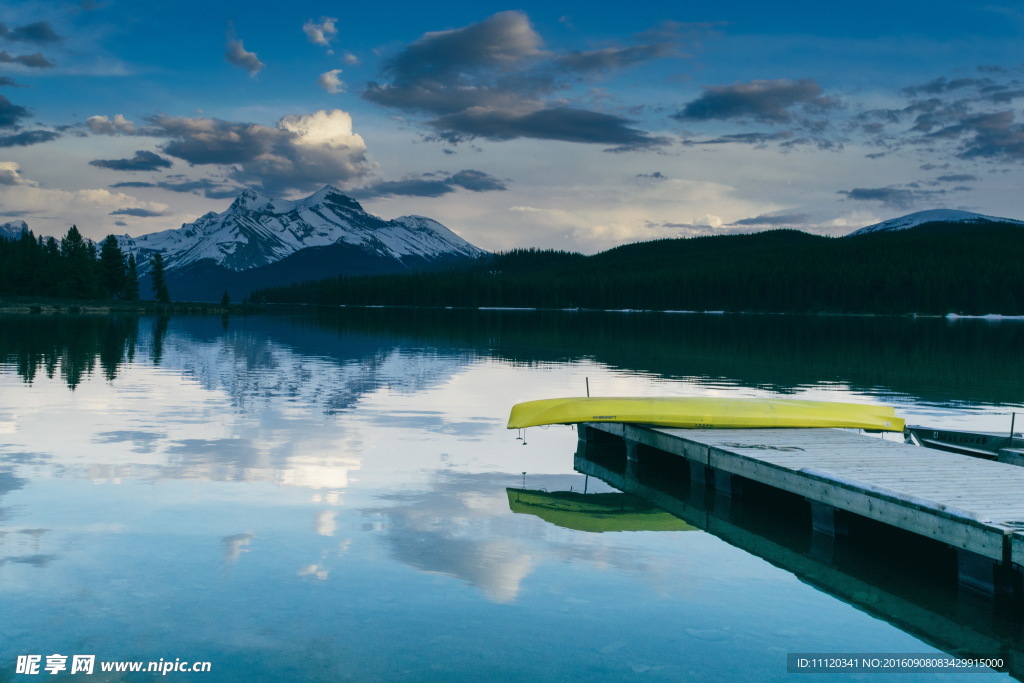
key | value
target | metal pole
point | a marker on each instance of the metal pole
(588, 386)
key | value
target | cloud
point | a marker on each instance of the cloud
(756, 139)
(7, 82)
(237, 54)
(142, 161)
(39, 32)
(301, 152)
(119, 125)
(773, 221)
(139, 212)
(28, 137)
(657, 175)
(559, 123)
(957, 178)
(322, 33)
(10, 113)
(761, 100)
(35, 61)
(493, 79)
(23, 196)
(899, 197)
(209, 188)
(10, 174)
(427, 186)
(330, 82)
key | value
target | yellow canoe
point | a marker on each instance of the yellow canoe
(705, 413)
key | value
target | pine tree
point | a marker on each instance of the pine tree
(159, 281)
(78, 257)
(131, 280)
(113, 269)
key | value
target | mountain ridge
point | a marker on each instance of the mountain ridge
(257, 230)
(919, 218)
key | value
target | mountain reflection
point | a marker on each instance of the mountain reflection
(928, 360)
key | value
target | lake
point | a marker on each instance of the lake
(323, 496)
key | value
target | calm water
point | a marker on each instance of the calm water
(324, 497)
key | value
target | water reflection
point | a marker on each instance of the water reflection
(905, 579)
(327, 497)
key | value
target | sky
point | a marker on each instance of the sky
(564, 125)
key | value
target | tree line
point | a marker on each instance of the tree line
(933, 269)
(74, 268)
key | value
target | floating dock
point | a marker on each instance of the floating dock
(974, 506)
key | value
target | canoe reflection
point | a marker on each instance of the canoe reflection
(594, 512)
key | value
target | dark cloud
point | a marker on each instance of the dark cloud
(493, 79)
(142, 161)
(657, 175)
(6, 82)
(765, 101)
(428, 186)
(134, 183)
(994, 135)
(10, 113)
(141, 213)
(36, 61)
(210, 189)
(887, 195)
(477, 181)
(763, 220)
(758, 139)
(561, 123)
(301, 153)
(899, 197)
(39, 32)
(28, 137)
(957, 178)
(237, 54)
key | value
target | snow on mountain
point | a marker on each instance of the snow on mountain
(257, 230)
(912, 220)
(12, 229)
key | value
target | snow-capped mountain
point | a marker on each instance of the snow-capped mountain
(257, 230)
(912, 220)
(12, 229)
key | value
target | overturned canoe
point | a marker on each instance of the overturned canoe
(705, 413)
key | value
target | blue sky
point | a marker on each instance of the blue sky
(561, 125)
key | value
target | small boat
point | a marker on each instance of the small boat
(594, 512)
(706, 413)
(979, 444)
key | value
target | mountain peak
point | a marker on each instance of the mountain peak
(329, 194)
(13, 229)
(912, 220)
(251, 200)
(257, 230)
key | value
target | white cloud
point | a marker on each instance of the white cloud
(101, 125)
(330, 82)
(10, 175)
(322, 33)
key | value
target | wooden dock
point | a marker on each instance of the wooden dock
(975, 506)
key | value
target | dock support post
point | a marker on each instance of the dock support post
(976, 572)
(726, 484)
(826, 520)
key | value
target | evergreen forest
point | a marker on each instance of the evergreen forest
(74, 268)
(972, 269)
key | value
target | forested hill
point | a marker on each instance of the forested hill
(932, 269)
